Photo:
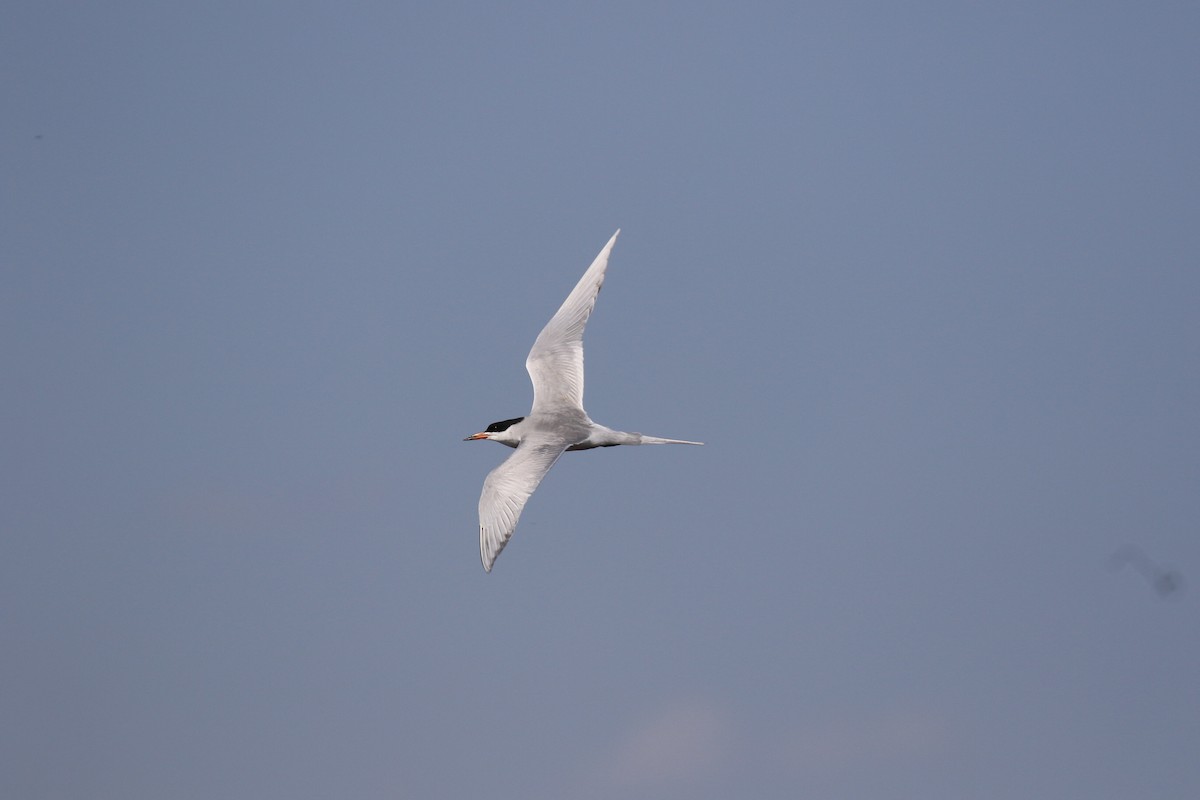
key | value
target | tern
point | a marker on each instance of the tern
(556, 423)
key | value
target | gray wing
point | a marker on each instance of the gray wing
(505, 491)
(555, 363)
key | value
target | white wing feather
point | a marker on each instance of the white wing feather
(506, 490)
(555, 363)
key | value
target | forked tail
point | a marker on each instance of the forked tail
(659, 440)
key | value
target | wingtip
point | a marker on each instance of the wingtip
(483, 556)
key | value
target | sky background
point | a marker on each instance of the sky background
(925, 277)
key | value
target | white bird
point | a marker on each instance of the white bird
(556, 423)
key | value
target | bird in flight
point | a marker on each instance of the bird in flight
(557, 421)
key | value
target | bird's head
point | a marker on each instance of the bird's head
(498, 432)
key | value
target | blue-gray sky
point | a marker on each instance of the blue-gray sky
(924, 276)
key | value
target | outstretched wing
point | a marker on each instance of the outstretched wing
(555, 363)
(505, 491)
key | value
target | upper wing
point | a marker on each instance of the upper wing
(555, 363)
(505, 491)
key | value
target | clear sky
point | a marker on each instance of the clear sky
(924, 276)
